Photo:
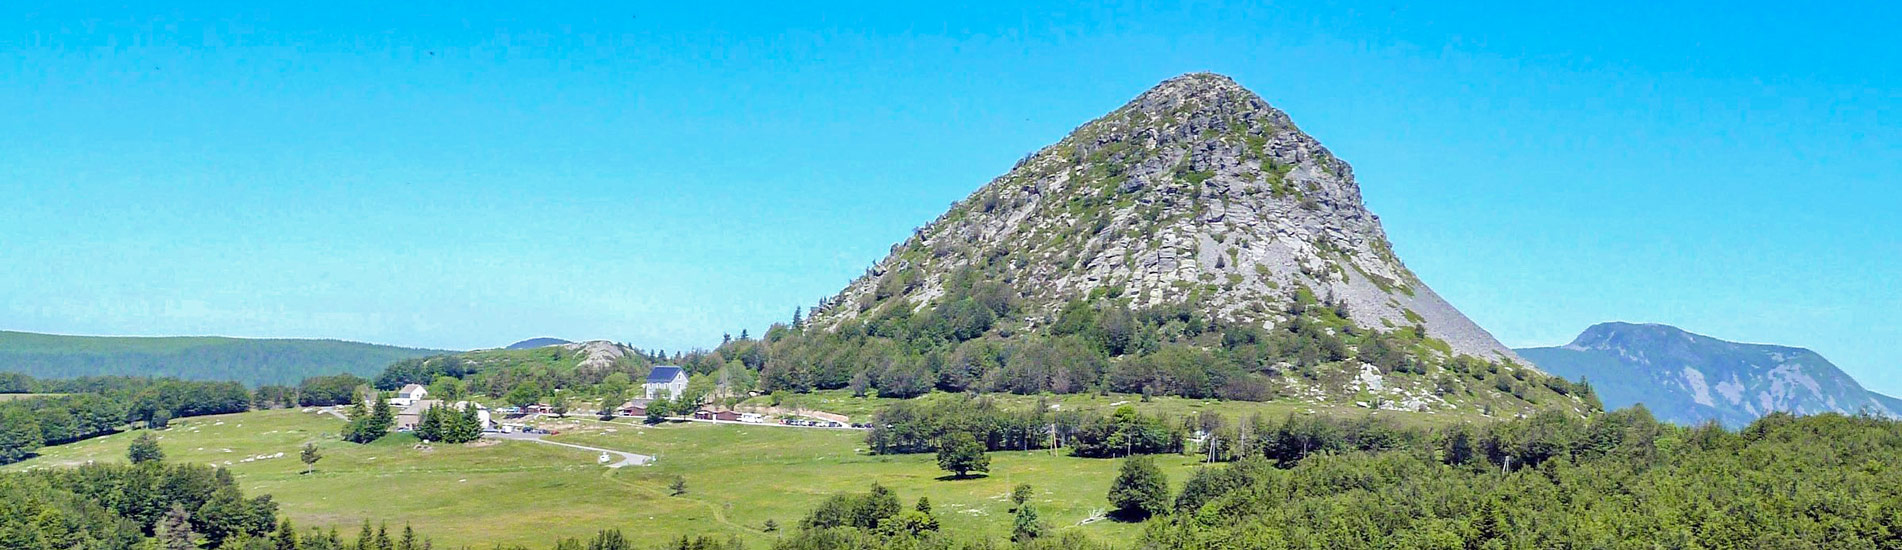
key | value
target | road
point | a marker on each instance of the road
(627, 459)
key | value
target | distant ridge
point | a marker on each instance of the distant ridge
(542, 342)
(1690, 378)
(251, 361)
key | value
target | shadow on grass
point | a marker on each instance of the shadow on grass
(955, 477)
(1127, 516)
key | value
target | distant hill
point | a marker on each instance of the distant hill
(533, 343)
(1689, 378)
(251, 361)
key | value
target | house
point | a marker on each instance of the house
(412, 413)
(409, 395)
(637, 407)
(666, 382)
(722, 415)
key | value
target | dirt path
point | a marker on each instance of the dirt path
(627, 459)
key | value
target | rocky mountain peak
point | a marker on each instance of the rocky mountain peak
(1196, 191)
(1192, 242)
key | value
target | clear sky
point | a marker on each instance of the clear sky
(441, 175)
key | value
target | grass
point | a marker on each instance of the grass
(738, 477)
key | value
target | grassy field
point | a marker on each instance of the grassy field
(738, 477)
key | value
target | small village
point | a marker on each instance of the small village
(528, 423)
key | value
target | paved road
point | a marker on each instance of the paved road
(627, 459)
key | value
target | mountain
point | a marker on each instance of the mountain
(1690, 378)
(1195, 209)
(1198, 185)
(533, 343)
(251, 361)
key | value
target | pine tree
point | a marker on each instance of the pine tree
(145, 449)
(365, 539)
(286, 538)
(383, 537)
(1026, 525)
(409, 539)
(310, 456)
(430, 428)
(175, 530)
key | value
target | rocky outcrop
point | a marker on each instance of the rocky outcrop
(1195, 190)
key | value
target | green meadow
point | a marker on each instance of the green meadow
(738, 477)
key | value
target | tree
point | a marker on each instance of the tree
(1140, 490)
(145, 448)
(1021, 494)
(175, 530)
(286, 538)
(19, 434)
(1026, 525)
(382, 415)
(524, 394)
(560, 405)
(610, 402)
(658, 410)
(365, 428)
(610, 539)
(678, 487)
(430, 428)
(961, 454)
(310, 456)
(447, 388)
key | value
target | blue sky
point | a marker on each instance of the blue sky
(436, 174)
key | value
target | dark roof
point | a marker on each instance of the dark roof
(663, 374)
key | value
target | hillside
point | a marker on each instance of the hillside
(1191, 242)
(496, 371)
(251, 361)
(1690, 378)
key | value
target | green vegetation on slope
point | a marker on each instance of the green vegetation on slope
(253, 362)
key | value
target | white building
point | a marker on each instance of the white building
(409, 395)
(666, 382)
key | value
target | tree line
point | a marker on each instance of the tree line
(977, 338)
(922, 426)
(90, 407)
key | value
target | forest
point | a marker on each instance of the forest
(81, 408)
(1615, 480)
(975, 339)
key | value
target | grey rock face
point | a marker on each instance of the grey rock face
(1197, 186)
(1689, 378)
